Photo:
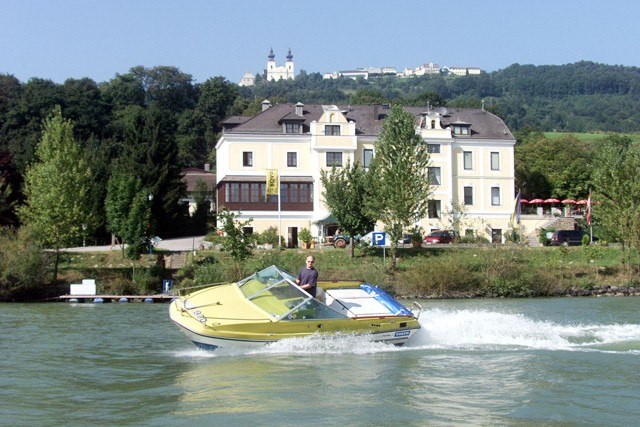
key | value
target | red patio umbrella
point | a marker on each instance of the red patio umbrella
(581, 202)
(552, 200)
(534, 201)
(524, 201)
(568, 202)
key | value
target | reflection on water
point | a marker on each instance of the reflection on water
(478, 362)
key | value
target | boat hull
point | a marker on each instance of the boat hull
(211, 342)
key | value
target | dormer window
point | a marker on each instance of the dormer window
(332, 130)
(461, 129)
(292, 127)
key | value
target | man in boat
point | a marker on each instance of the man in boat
(308, 277)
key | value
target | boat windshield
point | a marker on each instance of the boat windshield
(274, 291)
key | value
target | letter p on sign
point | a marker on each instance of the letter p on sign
(378, 239)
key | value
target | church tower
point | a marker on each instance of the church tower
(274, 72)
(271, 65)
(289, 65)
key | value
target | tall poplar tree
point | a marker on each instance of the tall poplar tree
(121, 191)
(58, 188)
(401, 185)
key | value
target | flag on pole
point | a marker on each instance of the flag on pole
(589, 209)
(518, 208)
(273, 183)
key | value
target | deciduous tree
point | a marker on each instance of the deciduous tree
(346, 191)
(121, 190)
(57, 188)
(236, 241)
(616, 190)
(401, 184)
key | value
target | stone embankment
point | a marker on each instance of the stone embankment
(604, 291)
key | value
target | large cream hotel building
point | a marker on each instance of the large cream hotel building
(471, 165)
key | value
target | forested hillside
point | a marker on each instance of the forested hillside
(161, 118)
(580, 97)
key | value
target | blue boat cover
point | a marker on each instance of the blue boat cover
(385, 299)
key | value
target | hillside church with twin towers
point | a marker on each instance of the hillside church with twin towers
(273, 72)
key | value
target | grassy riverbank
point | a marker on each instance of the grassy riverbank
(428, 272)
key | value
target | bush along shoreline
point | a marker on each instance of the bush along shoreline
(483, 271)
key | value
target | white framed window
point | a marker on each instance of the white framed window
(434, 175)
(292, 159)
(367, 157)
(434, 208)
(460, 129)
(495, 161)
(468, 195)
(332, 130)
(495, 196)
(433, 148)
(247, 158)
(467, 160)
(334, 158)
(292, 127)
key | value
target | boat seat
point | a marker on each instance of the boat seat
(355, 303)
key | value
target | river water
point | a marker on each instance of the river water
(552, 361)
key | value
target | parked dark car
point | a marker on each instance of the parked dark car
(567, 238)
(441, 236)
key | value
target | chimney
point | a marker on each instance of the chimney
(266, 105)
(299, 108)
(207, 167)
(375, 111)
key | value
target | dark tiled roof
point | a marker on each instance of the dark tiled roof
(483, 124)
(292, 117)
(193, 175)
(235, 120)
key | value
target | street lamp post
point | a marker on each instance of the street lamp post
(150, 197)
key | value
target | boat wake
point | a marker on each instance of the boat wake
(459, 330)
(329, 344)
(488, 330)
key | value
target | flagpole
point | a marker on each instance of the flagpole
(273, 188)
(279, 216)
(589, 219)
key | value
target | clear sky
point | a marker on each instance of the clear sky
(58, 39)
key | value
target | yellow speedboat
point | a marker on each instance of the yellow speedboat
(268, 306)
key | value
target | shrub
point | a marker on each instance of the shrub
(121, 286)
(474, 239)
(270, 236)
(269, 258)
(214, 238)
(147, 280)
(417, 234)
(207, 274)
(542, 236)
(203, 270)
(24, 266)
(305, 236)
(441, 276)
